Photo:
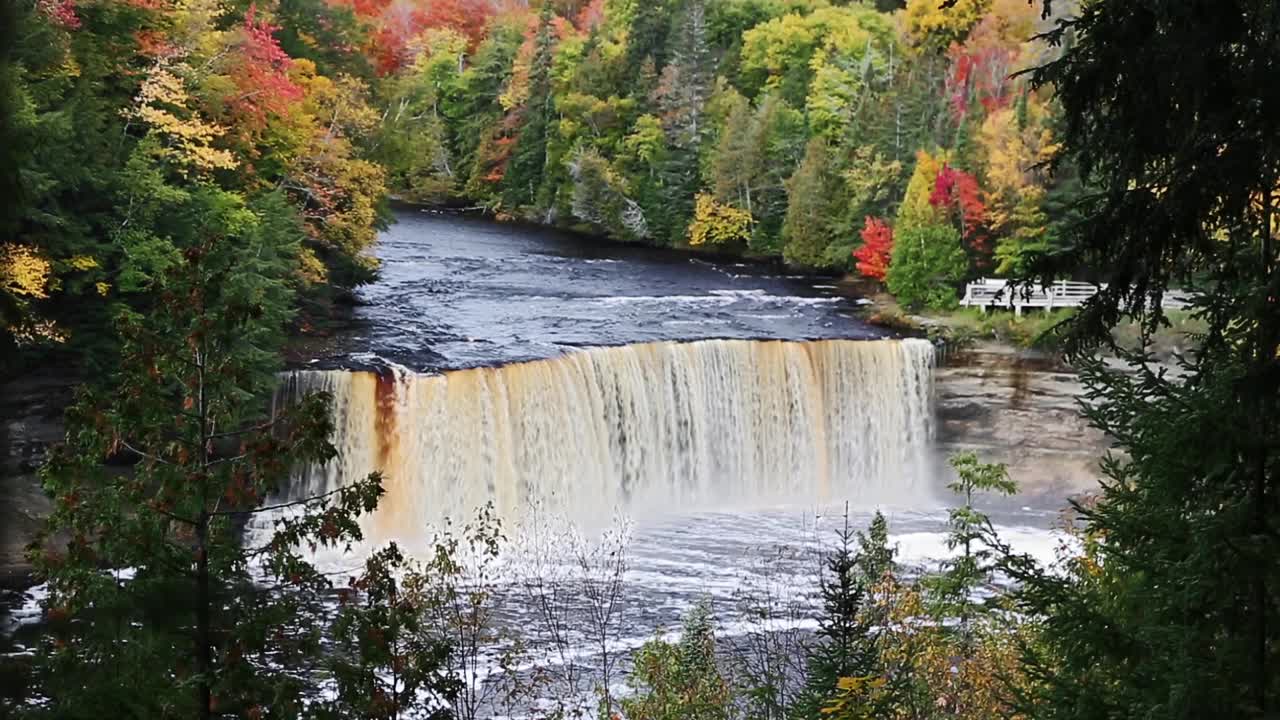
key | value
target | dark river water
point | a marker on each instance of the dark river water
(461, 292)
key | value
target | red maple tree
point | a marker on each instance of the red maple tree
(877, 246)
(398, 23)
(262, 75)
(61, 13)
(957, 193)
(980, 73)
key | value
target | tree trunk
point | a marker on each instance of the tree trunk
(204, 659)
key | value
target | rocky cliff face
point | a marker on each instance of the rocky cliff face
(31, 410)
(1020, 408)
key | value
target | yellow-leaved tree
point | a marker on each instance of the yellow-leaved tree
(715, 223)
(25, 275)
(1017, 141)
(165, 107)
(934, 27)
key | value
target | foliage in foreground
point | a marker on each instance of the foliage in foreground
(155, 604)
(1174, 610)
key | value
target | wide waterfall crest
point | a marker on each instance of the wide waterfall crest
(643, 428)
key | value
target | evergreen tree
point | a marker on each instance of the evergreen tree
(875, 554)
(680, 681)
(928, 265)
(327, 33)
(806, 231)
(154, 605)
(849, 627)
(752, 158)
(739, 155)
(951, 591)
(524, 180)
(1173, 610)
(683, 92)
(475, 109)
(647, 42)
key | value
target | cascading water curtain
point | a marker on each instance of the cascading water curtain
(646, 428)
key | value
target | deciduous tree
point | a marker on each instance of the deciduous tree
(876, 249)
(718, 224)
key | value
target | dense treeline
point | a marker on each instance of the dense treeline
(839, 136)
(140, 129)
(792, 129)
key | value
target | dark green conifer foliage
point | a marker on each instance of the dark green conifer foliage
(848, 628)
(951, 591)
(526, 174)
(680, 681)
(647, 40)
(1172, 115)
(329, 34)
(188, 632)
(807, 228)
(684, 90)
(474, 110)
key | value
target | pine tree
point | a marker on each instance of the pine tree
(474, 110)
(683, 93)
(680, 681)
(524, 180)
(849, 626)
(647, 42)
(806, 231)
(1173, 609)
(951, 592)
(153, 604)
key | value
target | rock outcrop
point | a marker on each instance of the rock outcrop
(1019, 407)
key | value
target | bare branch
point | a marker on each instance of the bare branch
(282, 506)
(145, 455)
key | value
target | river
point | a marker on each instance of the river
(460, 292)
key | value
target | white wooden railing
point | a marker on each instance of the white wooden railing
(993, 292)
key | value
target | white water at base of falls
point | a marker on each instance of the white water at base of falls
(641, 430)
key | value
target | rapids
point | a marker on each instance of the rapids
(459, 292)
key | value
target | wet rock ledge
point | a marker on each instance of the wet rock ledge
(1011, 406)
(1019, 407)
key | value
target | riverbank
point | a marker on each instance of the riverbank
(1020, 407)
(1034, 330)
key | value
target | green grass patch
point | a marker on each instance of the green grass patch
(1032, 330)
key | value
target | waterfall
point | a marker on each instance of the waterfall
(645, 428)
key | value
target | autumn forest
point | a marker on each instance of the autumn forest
(812, 132)
(190, 190)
